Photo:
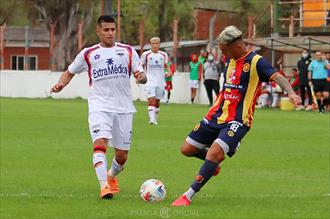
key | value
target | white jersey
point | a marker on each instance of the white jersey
(109, 71)
(154, 65)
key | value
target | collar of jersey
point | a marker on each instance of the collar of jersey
(108, 47)
(243, 56)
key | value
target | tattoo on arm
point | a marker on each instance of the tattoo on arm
(283, 83)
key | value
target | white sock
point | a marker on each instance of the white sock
(157, 109)
(116, 168)
(190, 193)
(151, 110)
(100, 166)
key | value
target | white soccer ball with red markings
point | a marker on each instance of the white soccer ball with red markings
(153, 190)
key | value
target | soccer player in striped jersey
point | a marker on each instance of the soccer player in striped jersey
(109, 65)
(155, 64)
(230, 118)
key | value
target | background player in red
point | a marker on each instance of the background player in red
(230, 118)
(196, 70)
(168, 79)
(294, 80)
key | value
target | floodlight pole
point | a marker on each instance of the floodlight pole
(102, 7)
(52, 46)
(26, 50)
(118, 20)
(273, 63)
(80, 35)
(141, 36)
(175, 41)
(2, 45)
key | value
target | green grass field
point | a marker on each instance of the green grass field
(280, 171)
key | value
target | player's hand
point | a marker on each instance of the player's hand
(141, 78)
(57, 88)
(167, 75)
(294, 98)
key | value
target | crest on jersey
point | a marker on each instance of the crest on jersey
(109, 61)
(231, 133)
(97, 56)
(196, 127)
(246, 67)
(120, 52)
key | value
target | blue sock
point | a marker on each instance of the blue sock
(205, 173)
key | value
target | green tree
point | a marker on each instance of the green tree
(168, 11)
(158, 16)
(65, 15)
(259, 9)
(11, 13)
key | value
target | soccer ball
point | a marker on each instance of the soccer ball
(152, 190)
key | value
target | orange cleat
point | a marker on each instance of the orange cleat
(181, 201)
(114, 185)
(217, 171)
(106, 192)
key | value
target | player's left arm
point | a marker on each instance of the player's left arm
(285, 85)
(140, 77)
(137, 68)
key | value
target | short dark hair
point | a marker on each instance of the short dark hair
(294, 69)
(105, 19)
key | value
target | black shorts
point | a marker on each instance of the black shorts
(228, 136)
(320, 85)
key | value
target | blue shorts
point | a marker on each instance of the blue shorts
(227, 135)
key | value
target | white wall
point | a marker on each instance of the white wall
(36, 84)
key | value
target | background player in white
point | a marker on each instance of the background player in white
(154, 62)
(109, 66)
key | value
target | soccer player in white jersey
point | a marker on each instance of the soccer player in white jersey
(154, 62)
(109, 65)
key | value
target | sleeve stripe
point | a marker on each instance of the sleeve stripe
(86, 57)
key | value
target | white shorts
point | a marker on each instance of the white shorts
(155, 91)
(116, 127)
(194, 83)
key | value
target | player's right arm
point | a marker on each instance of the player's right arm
(62, 82)
(78, 65)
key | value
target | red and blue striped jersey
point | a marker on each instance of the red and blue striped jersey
(242, 85)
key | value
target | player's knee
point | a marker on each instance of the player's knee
(185, 150)
(215, 157)
(151, 101)
(121, 160)
(100, 142)
(121, 156)
(216, 154)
